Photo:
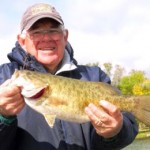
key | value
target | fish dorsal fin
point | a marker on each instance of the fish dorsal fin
(50, 119)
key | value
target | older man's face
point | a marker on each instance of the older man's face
(46, 42)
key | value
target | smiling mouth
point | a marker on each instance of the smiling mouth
(47, 49)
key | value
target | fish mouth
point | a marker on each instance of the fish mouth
(34, 93)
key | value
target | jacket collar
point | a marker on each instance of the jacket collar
(67, 64)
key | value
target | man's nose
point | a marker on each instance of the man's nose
(47, 36)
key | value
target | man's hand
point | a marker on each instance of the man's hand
(107, 121)
(11, 100)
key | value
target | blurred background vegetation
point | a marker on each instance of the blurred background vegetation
(133, 83)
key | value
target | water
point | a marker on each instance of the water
(143, 144)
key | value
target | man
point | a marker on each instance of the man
(42, 46)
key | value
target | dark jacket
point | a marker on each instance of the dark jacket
(29, 131)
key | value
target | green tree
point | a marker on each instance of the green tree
(127, 82)
(142, 88)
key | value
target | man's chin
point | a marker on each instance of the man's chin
(47, 61)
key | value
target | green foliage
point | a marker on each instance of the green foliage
(142, 88)
(127, 82)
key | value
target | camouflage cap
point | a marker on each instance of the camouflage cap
(39, 11)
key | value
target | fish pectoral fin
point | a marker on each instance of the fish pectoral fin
(50, 119)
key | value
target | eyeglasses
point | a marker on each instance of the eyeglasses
(38, 35)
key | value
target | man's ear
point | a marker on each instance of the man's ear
(21, 39)
(66, 35)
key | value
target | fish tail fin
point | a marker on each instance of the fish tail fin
(142, 109)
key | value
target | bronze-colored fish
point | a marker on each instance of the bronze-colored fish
(66, 98)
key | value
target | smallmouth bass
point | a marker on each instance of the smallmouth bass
(66, 98)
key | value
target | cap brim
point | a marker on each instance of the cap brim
(36, 18)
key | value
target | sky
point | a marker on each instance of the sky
(114, 31)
